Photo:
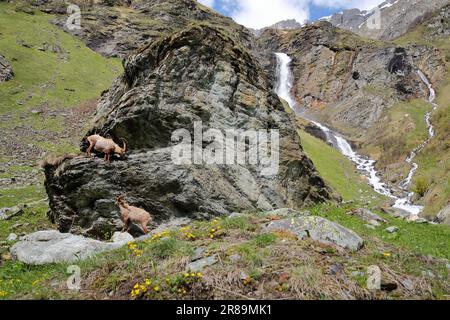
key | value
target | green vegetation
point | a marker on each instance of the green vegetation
(249, 258)
(56, 78)
(390, 147)
(339, 171)
(434, 160)
(420, 238)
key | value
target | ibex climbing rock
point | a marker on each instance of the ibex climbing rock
(133, 214)
(106, 146)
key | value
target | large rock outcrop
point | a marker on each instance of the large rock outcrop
(6, 72)
(346, 81)
(199, 74)
(319, 229)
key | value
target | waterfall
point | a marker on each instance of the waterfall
(367, 166)
(414, 166)
(284, 87)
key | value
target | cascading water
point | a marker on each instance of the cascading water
(431, 133)
(284, 87)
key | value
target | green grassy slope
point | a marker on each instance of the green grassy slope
(339, 171)
(57, 82)
(245, 249)
(434, 160)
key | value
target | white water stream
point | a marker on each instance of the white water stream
(367, 166)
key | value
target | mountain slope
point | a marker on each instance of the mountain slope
(396, 17)
(434, 160)
(116, 28)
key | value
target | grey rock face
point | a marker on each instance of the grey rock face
(51, 246)
(6, 72)
(439, 25)
(319, 229)
(199, 74)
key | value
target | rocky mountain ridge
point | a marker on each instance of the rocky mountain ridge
(393, 18)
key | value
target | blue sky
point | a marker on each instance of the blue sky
(261, 13)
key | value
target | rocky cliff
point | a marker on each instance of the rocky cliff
(346, 81)
(199, 74)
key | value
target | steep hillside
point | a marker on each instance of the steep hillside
(434, 160)
(116, 28)
(44, 108)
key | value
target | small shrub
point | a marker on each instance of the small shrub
(421, 186)
(265, 239)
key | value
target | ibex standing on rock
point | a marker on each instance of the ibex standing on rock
(106, 146)
(133, 214)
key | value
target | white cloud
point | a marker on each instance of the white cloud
(348, 4)
(208, 3)
(258, 14)
(262, 13)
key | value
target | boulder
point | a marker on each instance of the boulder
(51, 246)
(368, 216)
(122, 237)
(201, 74)
(319, 229)
(201, 264)
(392, 229)
(6, 72)
(8, 213)
(443, 215)
(12, 237)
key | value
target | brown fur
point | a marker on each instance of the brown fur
(133, 214)
(106, 146)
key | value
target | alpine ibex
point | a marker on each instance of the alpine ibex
(133, 214)
(106, 146)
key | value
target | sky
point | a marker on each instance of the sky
(258, 14)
